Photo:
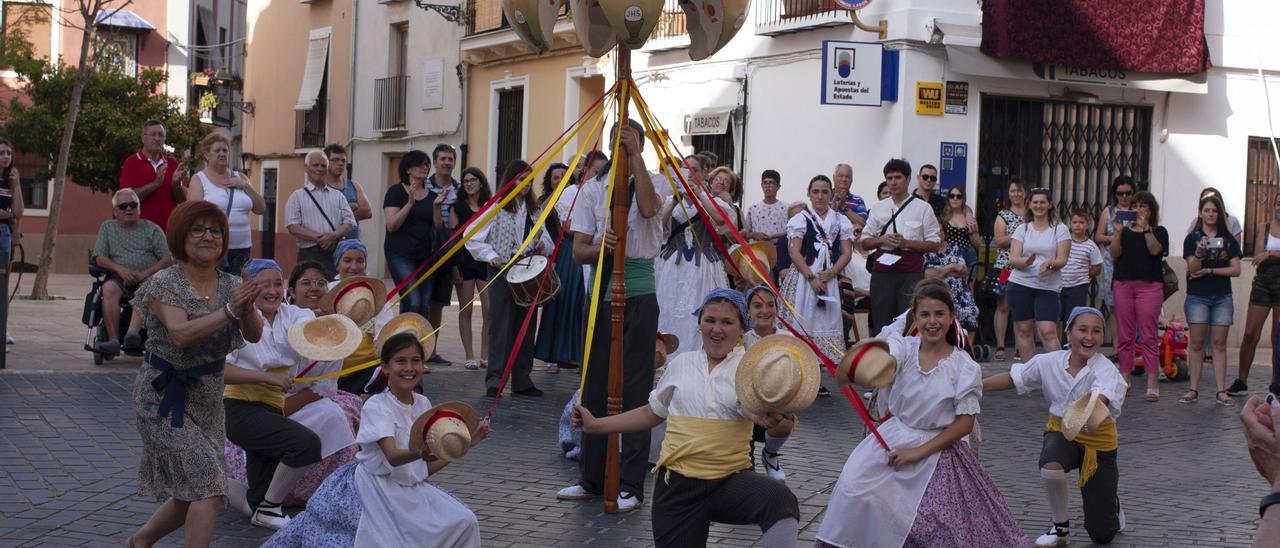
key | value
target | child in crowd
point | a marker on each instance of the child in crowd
(384, 498)
(1066, 377)
(1083, 264)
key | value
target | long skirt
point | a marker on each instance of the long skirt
(682, 284)
(310, 482)
(563, 336)
(819, 318)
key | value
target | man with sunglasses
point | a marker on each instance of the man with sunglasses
(131, 249)
(927, 189)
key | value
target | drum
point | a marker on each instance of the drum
(532, 277)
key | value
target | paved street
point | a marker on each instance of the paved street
(69, 452)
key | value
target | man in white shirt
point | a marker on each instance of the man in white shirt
(318, 215)
(644, 241)
(899, 231)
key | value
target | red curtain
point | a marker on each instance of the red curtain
(1136, 35)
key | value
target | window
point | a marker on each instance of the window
(399, 49)
(268, 219)
(122, 47)
(1261, 182)
(721, 144)
(313, 95)
(510, 128)
(35, 191)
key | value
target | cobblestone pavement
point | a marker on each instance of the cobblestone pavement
(69, 451)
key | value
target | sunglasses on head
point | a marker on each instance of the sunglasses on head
(929, 177)
(126, 206)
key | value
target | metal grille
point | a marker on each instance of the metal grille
(721, 145)
(671, 23)
(510, 127)
(389, 99)
(1261, 183)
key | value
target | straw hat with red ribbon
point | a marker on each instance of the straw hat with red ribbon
(778, 374)
(358, 297)
(666, 344)
(446, 429)
(868, 363)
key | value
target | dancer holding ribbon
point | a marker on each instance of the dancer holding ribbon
(910, 496)
(710, 398)
(1085, 392)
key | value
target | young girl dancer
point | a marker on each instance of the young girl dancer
(703, 473)
(384, 498)
(1066, 376)
(910, 496)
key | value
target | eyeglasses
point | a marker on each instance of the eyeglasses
(311, 282)
(929, 177)
(1124, 193)
(126, 206)
(198, 231)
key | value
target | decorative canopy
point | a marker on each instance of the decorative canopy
(123, 19)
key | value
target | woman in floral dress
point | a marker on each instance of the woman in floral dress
(1007, 221)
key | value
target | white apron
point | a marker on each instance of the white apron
(326, 419)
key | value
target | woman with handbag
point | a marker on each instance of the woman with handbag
(1007, 221)
(1139, 250)
(232, 192)
(1122, 189)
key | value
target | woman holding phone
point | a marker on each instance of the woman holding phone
(1138, 250)
(1213, 258)
(1122, 189)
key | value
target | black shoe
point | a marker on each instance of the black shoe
(132, 341)
(110, 347)
(822, 391)
(436, 359)
(532, 392)
(491, 392)
(1238, 388)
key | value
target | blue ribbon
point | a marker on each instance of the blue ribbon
(174, 383)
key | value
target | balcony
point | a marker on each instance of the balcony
(389, 103)
(490, 38)
(672, 31)
(775, 17)
(311, 127)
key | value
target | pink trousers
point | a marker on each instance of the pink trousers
(1137, 313)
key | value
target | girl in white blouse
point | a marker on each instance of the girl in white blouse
(705, 469)
(1066, 376)
(928, 489)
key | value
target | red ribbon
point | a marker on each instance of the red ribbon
(441, 414)
(853, 365)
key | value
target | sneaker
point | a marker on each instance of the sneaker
(1056, 536)
(1238, 388)
(822, 391)
(627, 502)
(771, 465)
(576, 492)
(270, 516)
(1120, 517)
(553, 368)
(531, 391)
(9, 339)
(132, 340)
(435, 358)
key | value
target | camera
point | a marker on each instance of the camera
(1214, 243)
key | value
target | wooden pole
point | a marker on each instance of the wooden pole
(618, 305)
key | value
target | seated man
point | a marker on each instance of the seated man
(132, 249)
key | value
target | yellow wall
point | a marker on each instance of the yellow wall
(546, 100)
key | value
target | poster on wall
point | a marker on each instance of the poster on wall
(952, 166)
(957, 97)
(851, 73)
(929, 98)
(433, 83)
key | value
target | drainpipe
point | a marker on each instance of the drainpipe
(351, 94)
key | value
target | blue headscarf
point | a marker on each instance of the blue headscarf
(1080, 311)
(254, 266)
(347, 245)
(730, 295)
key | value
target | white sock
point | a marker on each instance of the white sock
(782, 534)
(773, 443)
(282, 481)
(1055, 487)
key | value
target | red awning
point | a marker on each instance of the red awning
(1138, 35)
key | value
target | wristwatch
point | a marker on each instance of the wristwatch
(1273, 498)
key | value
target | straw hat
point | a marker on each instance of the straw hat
(446, 429)
(332, 337)
(409, 322)
(667, 343)
(867, 363)
(358, 297)
(778, 374)
(765, 252)
(1084, 414)
(712, 23)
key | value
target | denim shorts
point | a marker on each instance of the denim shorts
(1026, 303)
(1210, 309)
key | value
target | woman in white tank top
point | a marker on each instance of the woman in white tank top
(1264, 298)
(232, 193)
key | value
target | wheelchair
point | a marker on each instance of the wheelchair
(93, 319)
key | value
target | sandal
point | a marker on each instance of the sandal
(1228, 402)
(999, 354)
(473, 365)
(1191, 396)
(1153, 394)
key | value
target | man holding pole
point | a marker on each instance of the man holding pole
(643, 241)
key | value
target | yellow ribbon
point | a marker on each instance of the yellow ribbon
(1105, 439)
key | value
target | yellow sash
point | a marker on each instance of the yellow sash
(1105, 439)
(707, 449)
(259, 392)
(363, 354)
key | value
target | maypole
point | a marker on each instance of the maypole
(618, 305)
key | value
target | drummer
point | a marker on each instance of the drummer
(495, 243)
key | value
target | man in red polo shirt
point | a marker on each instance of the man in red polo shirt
(153, 176)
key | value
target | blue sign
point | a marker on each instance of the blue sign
(953, 166)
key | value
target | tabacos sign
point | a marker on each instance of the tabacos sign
(1072, 75)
